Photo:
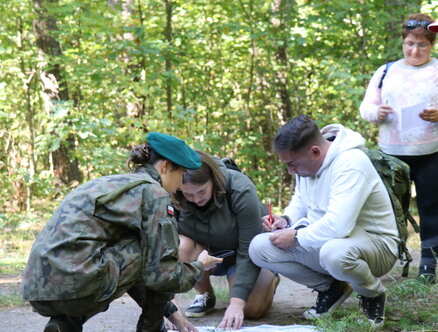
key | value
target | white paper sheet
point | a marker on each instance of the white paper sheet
(409, 118)
(263, 328)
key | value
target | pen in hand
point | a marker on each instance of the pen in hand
(270, 217)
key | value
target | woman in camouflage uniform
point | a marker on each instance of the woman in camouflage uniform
(113, 235)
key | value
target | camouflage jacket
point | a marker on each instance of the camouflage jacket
(73, 256)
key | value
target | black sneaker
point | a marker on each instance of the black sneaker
(374, 309)
(329, 300)
(426, 274)
(203, 304)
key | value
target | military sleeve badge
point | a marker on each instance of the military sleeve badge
(170, 211)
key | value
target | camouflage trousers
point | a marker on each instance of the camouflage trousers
(76, 312)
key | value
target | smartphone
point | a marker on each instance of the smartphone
(223, 253)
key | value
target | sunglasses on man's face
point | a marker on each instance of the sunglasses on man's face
(413, 24)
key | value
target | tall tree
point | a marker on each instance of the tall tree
(53, 79)
(282, 11)
(168, 58)
(93, 75)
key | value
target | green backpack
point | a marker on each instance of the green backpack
(395, 176)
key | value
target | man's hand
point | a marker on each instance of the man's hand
(284, 238)
(180, 323)
(233, 317)
(208, 261)
(277, 223)
(430, 115)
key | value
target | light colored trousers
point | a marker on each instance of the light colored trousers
(359, 260)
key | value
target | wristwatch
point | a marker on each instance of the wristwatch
(287, 220)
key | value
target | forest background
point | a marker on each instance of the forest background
(83, 81)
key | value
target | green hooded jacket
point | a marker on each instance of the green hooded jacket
(229, 224)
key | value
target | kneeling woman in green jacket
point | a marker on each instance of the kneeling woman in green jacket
(113, 235)
(220, 212)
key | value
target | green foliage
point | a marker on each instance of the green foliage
(18, 232)
(345, 321)
(11, 267)
(10, 300)
(416, 298)
(221, 290)
(224, 78)
(408, 289)
(411, 306)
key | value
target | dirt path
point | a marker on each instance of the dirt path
(122, 315)
(289, 302)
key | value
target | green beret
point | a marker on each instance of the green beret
(174, 149)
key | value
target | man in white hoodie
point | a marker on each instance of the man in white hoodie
(338, 233)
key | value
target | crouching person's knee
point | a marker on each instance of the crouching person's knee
(254, 311)
(334, 259)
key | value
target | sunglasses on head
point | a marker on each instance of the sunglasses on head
(413, 24)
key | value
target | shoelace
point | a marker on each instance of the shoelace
(428, 269)
(200, 300)
(363, 304)
(373, 312)
(321, 300)
(377, 308)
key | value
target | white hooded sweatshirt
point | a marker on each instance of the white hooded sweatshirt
(346, 193)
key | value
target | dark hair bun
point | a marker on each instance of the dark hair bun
(140, 154)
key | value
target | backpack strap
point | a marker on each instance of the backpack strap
(231, 164)
(385, 71)
(407, 258)
(113, 195)
(413, 223)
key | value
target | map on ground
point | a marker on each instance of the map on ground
(263, 328)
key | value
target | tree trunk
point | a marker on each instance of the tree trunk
(282, 10)
(135, 109)
(14, 162)
(66, 167)
(168, 36)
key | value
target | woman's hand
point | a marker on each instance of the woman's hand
(383, 111)
(430, 115)
(177, 321)
(208, 261)
(233, 317)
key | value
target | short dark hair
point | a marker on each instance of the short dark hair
(296, 134)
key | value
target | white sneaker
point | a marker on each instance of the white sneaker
(203, 304)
